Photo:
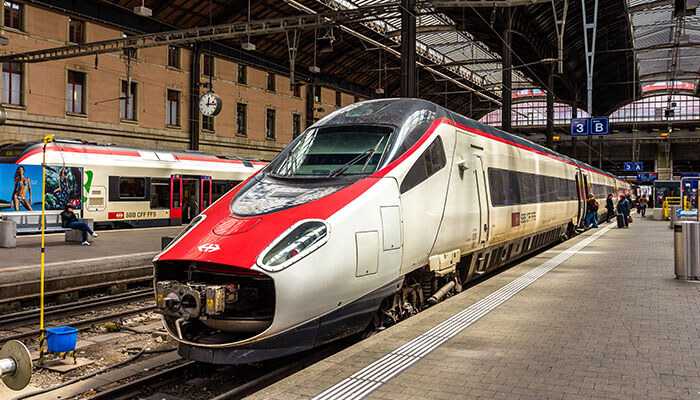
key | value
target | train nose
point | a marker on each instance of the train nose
(210, 304)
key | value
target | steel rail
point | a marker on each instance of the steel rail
(27, 315)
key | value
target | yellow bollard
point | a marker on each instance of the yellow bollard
(47, 139)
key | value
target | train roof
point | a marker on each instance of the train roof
(398, 111)
(17, 152)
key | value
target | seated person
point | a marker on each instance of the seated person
(69, 220)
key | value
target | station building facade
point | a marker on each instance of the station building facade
(141, 97)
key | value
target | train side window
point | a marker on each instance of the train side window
(160, 193)
(131, 188)
(431, 161)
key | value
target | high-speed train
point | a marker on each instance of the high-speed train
(375, 212)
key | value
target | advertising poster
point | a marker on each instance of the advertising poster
(20, 187)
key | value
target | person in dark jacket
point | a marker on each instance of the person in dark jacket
(591, 211)
(623, 208)
(69, 220)
(610, 206)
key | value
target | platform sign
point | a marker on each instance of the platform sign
(580, 126)
(634, 166)
(600, 126)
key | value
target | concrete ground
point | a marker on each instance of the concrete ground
(608, 322)
(108, 244)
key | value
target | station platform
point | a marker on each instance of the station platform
(600, 316)
(116, 256)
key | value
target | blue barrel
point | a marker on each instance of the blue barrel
(61, 339)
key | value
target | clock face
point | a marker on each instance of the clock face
(209, 104)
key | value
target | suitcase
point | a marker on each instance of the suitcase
(620, 221)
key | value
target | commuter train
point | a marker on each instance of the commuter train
(375, 212)
(135, 187)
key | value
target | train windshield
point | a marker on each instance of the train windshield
(330, 152)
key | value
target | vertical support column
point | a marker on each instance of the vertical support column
(310, 89)
(507, 75)
(194, 96)
(550, 108)
(589, 28)
(408, 48)
(574, 114)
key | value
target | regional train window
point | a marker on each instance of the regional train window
(431, 161)
(132, 188)
(160, 193)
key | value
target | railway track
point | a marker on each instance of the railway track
(68, 311)
(21, 317)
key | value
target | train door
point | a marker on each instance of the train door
(205, 192)
(422, 196)
(191, 198)
(175, 200)
(482, 195)
(582, 188)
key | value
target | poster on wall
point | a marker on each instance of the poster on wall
(20, 187)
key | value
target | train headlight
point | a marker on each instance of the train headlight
(293, 245)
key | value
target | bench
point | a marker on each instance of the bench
(76, 236)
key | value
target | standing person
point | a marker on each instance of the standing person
(643, 202)
(69, 220)
(610, 206)
(22, 190)
(191, 209)
(623, 208)
(591, 211)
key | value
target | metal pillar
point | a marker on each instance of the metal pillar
(408, 48)
(589, 28)
(310, 89)
(194, 97)
(574, 114)
(550, 108)
(507, 75)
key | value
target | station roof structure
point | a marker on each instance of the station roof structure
(667, 45)
(459, 44)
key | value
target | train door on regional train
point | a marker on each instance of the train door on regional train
(484, 210)
(175, 199)
(205, 192)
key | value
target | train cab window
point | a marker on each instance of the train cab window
(431, 161)
(334, 151)
(160, 193)
(132, 188)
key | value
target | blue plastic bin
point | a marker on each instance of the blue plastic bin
(61, 339)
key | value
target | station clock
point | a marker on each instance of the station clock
(210, 104)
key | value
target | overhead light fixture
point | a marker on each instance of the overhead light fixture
(142, 10)
(314, 69)
(248, 46)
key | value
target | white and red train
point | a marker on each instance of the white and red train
(124, 186)
(375, 212)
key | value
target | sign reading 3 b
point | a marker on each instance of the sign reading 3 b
(590, 126)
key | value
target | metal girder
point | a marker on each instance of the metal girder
(475, 61)
(485, 3)
(200, 34)
(589, 47)
(650, 5)
(390, 50)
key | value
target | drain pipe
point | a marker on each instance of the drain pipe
(301, 7)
